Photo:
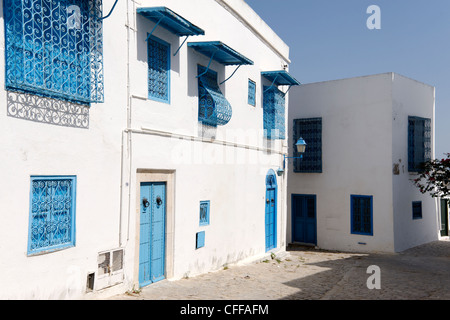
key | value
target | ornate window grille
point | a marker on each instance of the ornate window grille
(251, 92)
(158, 70)
(55, 48)
(204, 213)
(419, 142)
(213, 108)
(52, 214)
(310, 129)
(361, 215)
(274, 113)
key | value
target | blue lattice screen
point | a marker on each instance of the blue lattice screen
(158, 70)
(419, 142)
(274, 113)
(361, 215)
(310, 129)
(251, 92)
(52, 213)
(213, 107)
(55, 48)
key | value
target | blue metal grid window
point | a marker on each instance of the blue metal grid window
(417, 209)
(158, 70)
(419, 142)
(204, 213)
(310, 129)
(251, 93)
(52, 213)
(361, 215)
(213, 108)
(200, 240)
(274, 113)
(55, 49)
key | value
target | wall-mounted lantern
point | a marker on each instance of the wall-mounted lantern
(300, 145)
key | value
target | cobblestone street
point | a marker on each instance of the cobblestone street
(421, 273)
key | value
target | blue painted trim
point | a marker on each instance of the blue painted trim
(70, 244)
(293, 214)
(352, 213)
(207, 204)
(169, 70)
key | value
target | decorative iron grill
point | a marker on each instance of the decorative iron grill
(310, 129)
(213, 108)
(55, 48)
(419, 142)
(52, 213)
(158, 69)
(274, 113)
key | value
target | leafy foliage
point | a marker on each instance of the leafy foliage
(434, 177)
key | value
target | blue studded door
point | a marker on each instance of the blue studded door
(152, 232)
(271, 211)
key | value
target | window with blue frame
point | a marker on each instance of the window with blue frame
(274, 113)
(417, 209)
(52, 213)
(361, 215)
(158, 70)
(55, 49)
(204, 213)
(419, 142)
(251, 93)
(310, 129)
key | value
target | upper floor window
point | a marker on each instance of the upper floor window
(251, 92)
(310, 129)
(52, 213)
(361, 215)
(274, 113)
(419, 142)
(55, 48)
(158, 70)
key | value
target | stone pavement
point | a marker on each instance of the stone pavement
(305, 273)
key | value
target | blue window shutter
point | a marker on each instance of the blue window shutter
(274, 113)
(310, 129)
(158, 70)
(54, 49)
(361, 215)
(200, 240)
(204, 213)
(419, 142)
(251, 93)
(52, 213)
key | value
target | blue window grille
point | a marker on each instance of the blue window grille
(200, 240)
(361, 215)
(310, 129)
(274, 113)
(158, 70)
(419, 142)
(52, 213)
(417, 209)
(251, 93)
(55, 49)
(204, 213)
(213, 109)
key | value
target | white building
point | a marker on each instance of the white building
(130, 155)
(352, 190)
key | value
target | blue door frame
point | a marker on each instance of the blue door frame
(271, 210)
(152, 232)
(304, 218)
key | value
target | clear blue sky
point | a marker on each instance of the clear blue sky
(329, 40)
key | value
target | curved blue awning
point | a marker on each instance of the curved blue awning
(280, 78)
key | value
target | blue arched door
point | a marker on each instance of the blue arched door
(271, 210)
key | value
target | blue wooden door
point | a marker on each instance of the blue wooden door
(152, 233)
(304, 220)
(271, 211)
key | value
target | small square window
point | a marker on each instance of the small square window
(251, 92)
(417, 209)
(204, 213)
(200, 240)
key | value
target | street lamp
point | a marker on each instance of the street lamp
(300, 145)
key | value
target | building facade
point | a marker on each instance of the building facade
(365, 137)
(141, 141)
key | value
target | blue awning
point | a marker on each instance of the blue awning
(171, 21)
(280, 78)
(220, 52)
